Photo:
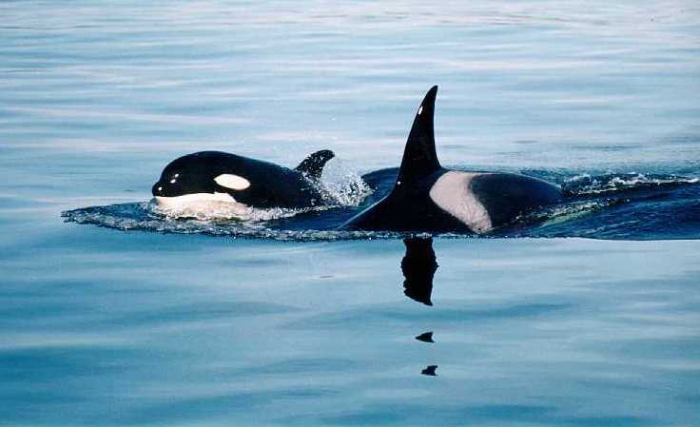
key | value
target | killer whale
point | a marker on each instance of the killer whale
(429, 198)
(233, 180)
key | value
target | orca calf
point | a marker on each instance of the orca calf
(223, 178)
(429, 198)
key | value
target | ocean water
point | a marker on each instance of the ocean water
(583, 315)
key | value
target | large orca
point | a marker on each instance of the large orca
(229, 179)
(429, 198)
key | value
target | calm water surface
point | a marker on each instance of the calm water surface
(113, 328)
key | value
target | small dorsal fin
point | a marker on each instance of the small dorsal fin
(419, 156)
(312, 166)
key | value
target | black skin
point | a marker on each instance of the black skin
(271, 186)
(507, 196)
(409, 208)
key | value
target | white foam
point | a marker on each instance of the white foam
(217, 206)
(202, 205)
(342, 185)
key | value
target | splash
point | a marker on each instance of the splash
(586, 184)
(559, 214)
(222, 211)
(141, 217)
(343, 184)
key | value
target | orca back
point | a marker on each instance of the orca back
(271, 185)
(428, 198)
(505, 196)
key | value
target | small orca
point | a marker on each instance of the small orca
(213, 176)
(429, 198)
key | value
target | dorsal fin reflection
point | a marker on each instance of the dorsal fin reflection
(418, 267)
(430, 371)
(426, 337)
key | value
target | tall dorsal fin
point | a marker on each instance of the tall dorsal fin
(419, 156)
(312, 166)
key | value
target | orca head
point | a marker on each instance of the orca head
(202, 177)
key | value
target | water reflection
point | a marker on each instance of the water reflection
(426, 337)
(418, 267)
(430, 371)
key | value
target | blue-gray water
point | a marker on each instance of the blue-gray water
(106, 327)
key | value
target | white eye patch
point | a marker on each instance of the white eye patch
(234, 182)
